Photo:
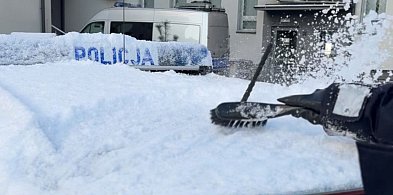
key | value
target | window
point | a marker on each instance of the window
(94, 27)
(326, 40)
(166, 31)
(139, 30)
(378, 6)
(247, 16)
(215, 3)
(139, 3)
(148, 3)
(162, 32)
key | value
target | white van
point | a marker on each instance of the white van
(208, 27)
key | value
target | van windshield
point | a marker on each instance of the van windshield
(94, 27)
(163, 31)
(139, 30)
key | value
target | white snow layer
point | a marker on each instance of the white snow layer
(79, 127)
(84, 128)
(34, 48)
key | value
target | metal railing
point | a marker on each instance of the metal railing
(58, 30)
(310, 1)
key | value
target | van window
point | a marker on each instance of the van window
(139, 30)
(94, 27)
(166, 31)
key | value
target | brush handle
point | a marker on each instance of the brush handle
(257, 73)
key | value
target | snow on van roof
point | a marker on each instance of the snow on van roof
(20, 48)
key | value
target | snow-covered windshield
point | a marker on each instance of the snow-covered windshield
(71, 125)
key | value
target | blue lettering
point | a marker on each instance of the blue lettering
(119, 55)
(138, 57)
(80, 53)
(147, 58)
(121, 50)
(92, 50)
(102, 53)
(114, 55)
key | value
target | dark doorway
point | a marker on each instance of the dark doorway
(285, 42)
(285, 62)
(57, 16)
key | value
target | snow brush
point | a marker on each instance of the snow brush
(249, 114)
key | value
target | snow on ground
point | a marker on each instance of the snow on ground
(80, 127)
(84, 128)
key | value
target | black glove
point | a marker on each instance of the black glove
(363, 112)
(376, 167)
(376, 156)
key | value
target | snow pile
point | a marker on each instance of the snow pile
(78, 127)
(27, 49)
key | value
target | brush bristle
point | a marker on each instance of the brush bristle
(234, 123)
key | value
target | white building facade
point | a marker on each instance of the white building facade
(25, 16)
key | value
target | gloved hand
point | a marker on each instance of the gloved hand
(363, 112)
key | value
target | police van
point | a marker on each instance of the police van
(191, 22)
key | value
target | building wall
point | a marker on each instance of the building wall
(388, 43)
(243, 46)
(389, 7)
(77, 13)
(20, 16)
(163, 4)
